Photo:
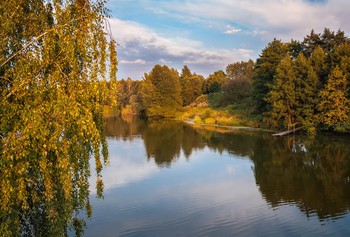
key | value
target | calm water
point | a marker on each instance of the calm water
(169, 179)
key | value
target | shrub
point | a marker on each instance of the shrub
(197, 119)
(209, 121)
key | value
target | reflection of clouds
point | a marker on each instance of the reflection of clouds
(230, 169)
(202, 197)
(127, 164)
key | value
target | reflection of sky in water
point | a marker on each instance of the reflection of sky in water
(128, 164)
(209, 194)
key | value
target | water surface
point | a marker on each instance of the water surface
(167, 178)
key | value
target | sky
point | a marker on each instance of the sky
(207, 35)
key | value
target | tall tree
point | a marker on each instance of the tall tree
(319, 64)
(161, 92)
(214, 82)
(239, 86)
(306, 91)
(341, 57)
(282, 96)
(240, 70)
(52, 58)
(185, 72)
(310, 42)
(264, 72)
(334, 105)
(191, 88)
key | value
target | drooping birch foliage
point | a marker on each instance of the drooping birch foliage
(53, 66)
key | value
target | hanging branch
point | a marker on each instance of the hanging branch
(35, 39)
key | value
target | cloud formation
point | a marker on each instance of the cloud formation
(137, 61)
(230, 30)
(207, 35)
(140, 49)
(283, 19)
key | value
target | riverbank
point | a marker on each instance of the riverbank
(224, 119)
(226, 128)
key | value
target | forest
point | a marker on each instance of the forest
(297, 83)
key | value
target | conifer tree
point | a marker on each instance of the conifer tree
(318, 62)
(334, 105)
(306, 90)
(341, 57)
(264, 72)
(191, 88)
(282, 96)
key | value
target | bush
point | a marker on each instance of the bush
(228, 121)
(197, 119)
(209, 121)
(127, 111)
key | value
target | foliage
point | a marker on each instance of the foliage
(239, 87)
(282, 95)
(197, 119)
(206, 115)
(320, 63)
(161, 92)
(214, 82)
(52, 77)
(264, 72)
(306, 90)
(201, 101)
(240, 70)
(209, 120)
(334, 105)
(191, 86)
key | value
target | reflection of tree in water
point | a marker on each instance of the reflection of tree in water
(312, 173)
(163, 141)
(125, 128)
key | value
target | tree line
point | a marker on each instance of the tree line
(305, 83)
(164, 90)
(302, 83)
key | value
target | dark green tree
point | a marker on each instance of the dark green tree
(310, 43)
(239, 85)
(214, 82)
(264, 72)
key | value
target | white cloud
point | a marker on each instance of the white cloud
(230, 30)
(282, 19)
(140, 45)
(137, 61)
(163, 61)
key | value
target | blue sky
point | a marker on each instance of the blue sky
(207, 35)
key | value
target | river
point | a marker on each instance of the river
(168, 178)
